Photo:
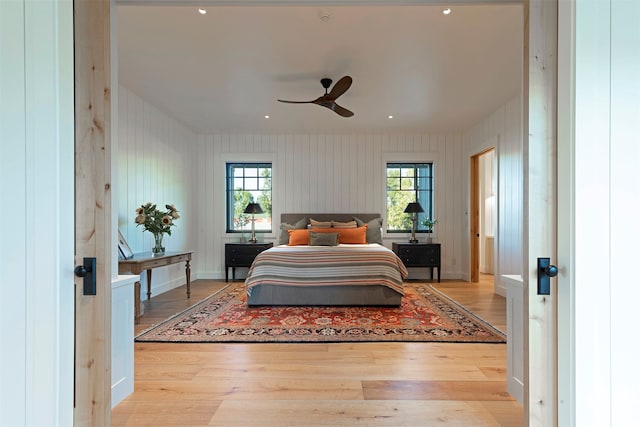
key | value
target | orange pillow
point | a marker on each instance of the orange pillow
(353, 235)
(298, 237)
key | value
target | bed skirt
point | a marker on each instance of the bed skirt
(358, 295)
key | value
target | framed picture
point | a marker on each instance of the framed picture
(124, 251)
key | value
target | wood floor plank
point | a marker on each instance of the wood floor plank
(251, 389)
(352, 413)
(342, 384)
(318, 371)
(163, 413)
(435, 390)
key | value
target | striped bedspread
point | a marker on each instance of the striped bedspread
(370, 264)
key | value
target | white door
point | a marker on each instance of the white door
(36, 195)
(599, 182)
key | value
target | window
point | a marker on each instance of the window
(406, 183)
(248, 182)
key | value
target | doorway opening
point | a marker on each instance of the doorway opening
(483, 214)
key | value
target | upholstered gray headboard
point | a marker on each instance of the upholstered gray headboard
(292, 218)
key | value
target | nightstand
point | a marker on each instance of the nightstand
(419, 255)
(241, 255)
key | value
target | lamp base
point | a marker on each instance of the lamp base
(254, 240)
(413, 240)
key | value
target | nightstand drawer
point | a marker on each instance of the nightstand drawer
(241, 258)
(410, 257)
(242, 254)
(419, 255)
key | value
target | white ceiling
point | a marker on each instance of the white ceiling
(224, 71)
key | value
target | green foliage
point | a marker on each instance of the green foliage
(264, 199)
(240, 201)
(397, 201)
(429, 223)
(154, 220)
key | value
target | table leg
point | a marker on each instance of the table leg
(187, 270)
(149, 284)
(136, 302)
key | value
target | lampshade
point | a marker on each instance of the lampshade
(254, 208)
(413, 207)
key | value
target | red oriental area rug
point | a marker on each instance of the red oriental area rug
(426, 315)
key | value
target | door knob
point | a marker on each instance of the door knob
(545, 272)
(88, 272)
(551, 270)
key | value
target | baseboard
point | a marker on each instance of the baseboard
(158, 289)
(417, 273)
(210, 275)
(500, 289)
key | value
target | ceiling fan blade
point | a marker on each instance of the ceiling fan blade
(333, 107)
(296, 102)
(342, 111)
(340, 87)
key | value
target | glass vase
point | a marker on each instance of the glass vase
(157, 249)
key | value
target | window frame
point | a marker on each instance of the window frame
(230, 193)
(424, 194)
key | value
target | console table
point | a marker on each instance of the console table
(147, 261)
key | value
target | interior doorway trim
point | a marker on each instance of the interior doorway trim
(474, 217)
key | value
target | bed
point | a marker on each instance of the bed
(362, 274)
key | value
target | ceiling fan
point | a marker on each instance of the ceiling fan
(328, 100)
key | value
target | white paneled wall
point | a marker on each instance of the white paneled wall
(328, 173)
(161, 161)
(502, 130)
(156, 163)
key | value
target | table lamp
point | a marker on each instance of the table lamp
(253, 209)
(413, 208)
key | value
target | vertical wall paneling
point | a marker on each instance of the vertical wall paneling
(36, 192)
(325, 173)
(625, 204)
(155, 164)
(15, 304)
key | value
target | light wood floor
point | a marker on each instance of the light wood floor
(358, 384)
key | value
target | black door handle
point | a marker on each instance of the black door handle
(545, 272)
(88, 272)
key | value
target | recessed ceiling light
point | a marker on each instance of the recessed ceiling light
(324, 15)
(202, 11)
(447, 11)
(266, 117)
(391, 117)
